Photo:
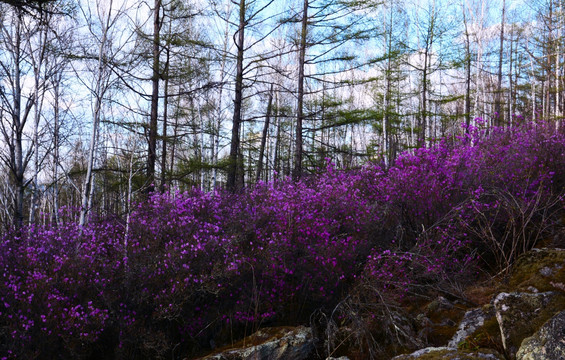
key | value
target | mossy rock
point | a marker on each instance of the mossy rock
(439, 321)
(274, 343)
(539, 270)
(547, 342)
(444, 353)
(486, 335)
(520, 315)
(467, 337)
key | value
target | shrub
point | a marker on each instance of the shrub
(191, 269)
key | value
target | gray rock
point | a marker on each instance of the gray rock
(425, 351)
(273, 344)
(472, 320)
(515, 313)
(547, 343)
(545, 271)
(447, 353)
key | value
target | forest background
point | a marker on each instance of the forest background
(103, 101)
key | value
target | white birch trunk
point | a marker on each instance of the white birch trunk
(99, 91)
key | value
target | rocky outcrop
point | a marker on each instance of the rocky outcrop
(446, 353)
(437, 322)
(272, 344)
(537, 282)
(472, 320)
(539, 270)
(547, 343)
(519, 322)
(516, 314)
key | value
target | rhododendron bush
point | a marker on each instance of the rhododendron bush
(190, 269)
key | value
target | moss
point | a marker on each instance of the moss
(451, 354)
(455, 314)
(440, 335)
(555, 305)
(487, 336)
(414, 304)
(444, 322)
(528, 271)
(525, 314)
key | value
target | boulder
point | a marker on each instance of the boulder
(271, 344)
(519, 315)
(472, 320)
(437, 323)
(446, 353)
(539, 270)
(547, 343)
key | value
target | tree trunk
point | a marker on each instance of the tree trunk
(152, 150)
(264, 136)
(175, 136)
(510, 82)
(165, 123)
(37, 65)
(236, 123)
(298, 148)
(558, 113)
(499, 117)
(56, 125)
(216, 131)
(276, 155)
(386, 120)
(423, 116)
(557, 85)
(202, 157)
(99, 94)
(18, 165)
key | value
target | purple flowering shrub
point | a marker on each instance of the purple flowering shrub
(300, 243)
(56, 293)
(191, 269)
(175, 273)
(464, 207)
(485, 195)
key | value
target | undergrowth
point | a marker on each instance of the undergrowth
(194, 269)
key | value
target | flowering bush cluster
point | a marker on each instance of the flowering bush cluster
(483, 195)
(194, 268)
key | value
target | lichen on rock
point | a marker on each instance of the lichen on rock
(520, 314)
(272, 344)
(472, 320)
(538, 269)
(547, 343)
(446, 353)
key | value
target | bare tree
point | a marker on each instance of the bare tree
(264, 134)
(249, 15)
(498, 106)
(16, 106)
(101, 86)
(152, 141)
(236, 122)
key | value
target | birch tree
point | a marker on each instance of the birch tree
(107, 19)
(16, 102)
